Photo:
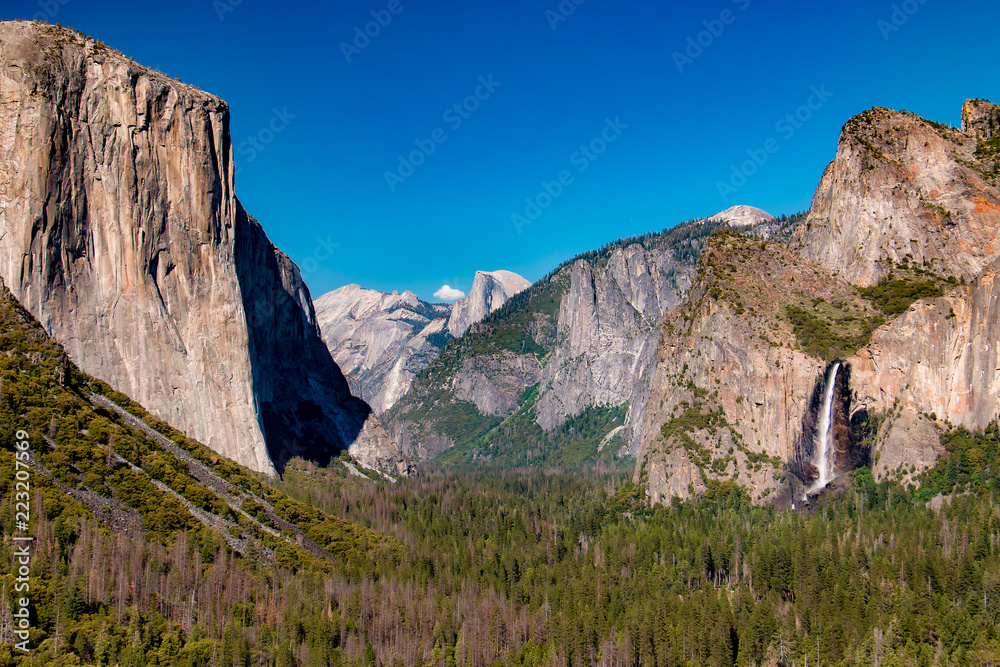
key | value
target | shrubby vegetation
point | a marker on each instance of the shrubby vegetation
(519, 440)
(970, 466)
(894, 295)
(830, 337)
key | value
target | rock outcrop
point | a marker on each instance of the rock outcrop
(606, 329)
(381, 341)
(490, 290)
(741, 216)
(981, 119)
(903, 189)
(121, 232)
(731, 388)
(906, 191)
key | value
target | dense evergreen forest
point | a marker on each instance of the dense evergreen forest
(151, 550)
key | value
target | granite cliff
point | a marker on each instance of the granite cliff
(892, 272)
(121, 232)
(381, 341)
(902, 188)
(490, 290)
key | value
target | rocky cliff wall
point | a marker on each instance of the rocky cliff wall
(731, 389)
(940, 358)
(490, 290)
(121, 232)
(981, 119)
(903, 189)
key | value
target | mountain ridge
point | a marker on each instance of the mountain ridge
(580, 356)
(382, 341)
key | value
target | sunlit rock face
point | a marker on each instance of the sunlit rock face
(121, 232)
(901, 191)
(381, 341)
(490, 290)
(904, 189)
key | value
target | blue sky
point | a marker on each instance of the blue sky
(542, 91)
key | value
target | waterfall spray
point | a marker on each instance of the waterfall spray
(823, 450)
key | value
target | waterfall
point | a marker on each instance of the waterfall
(823, 450)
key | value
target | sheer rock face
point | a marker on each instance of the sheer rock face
(941, 358)
(726, 349)
(598, 347)
(490, 290)
(900, 189)
(381, 341)
(120, 231)
(849, 454)
(607, 331)
(594, 327)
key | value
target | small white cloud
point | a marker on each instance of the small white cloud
(449, 293)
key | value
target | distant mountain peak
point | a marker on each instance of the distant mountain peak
(742, 216)
(383, 340)
(490, 290)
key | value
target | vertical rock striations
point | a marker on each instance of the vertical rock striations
(739, 373)
(731, 391)
(906, 191)
(121, 232)
(580, 342)
(940, 358)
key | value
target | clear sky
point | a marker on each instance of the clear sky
(317, 124)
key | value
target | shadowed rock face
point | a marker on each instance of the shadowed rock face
(121, 232)
(849, 454)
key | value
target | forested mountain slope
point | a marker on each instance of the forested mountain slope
(562, 369)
